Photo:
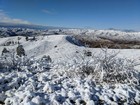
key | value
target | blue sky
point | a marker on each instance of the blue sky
(99, 14)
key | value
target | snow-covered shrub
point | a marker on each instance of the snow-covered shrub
(10, 61)
(7, 60)
(45, 62)
(88, 53)
(20, 51)
(117, 70)
(4, 51)
(46, 58)
(9, 43)
(108, 68)
(26, 38)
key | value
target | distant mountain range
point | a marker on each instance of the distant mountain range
(30, 26)
(41, 27)
(124, 30)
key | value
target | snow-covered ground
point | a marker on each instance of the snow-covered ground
(54, 86)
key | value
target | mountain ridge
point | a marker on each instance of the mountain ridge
(30, 26)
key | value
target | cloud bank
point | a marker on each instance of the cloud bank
(6, 19)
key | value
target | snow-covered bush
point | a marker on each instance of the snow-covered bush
(45, 62)
(108, 68)
(26, 38)
(20, 51)
(12, 62)
(4, 51)
(7, 60)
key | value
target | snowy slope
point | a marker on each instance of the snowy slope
(58, 46)
(34, 86)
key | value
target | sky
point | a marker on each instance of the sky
(98, 14)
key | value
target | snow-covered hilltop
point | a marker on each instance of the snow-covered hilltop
(60, 68)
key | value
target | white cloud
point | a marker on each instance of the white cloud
(6, 19)
(47, 11)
